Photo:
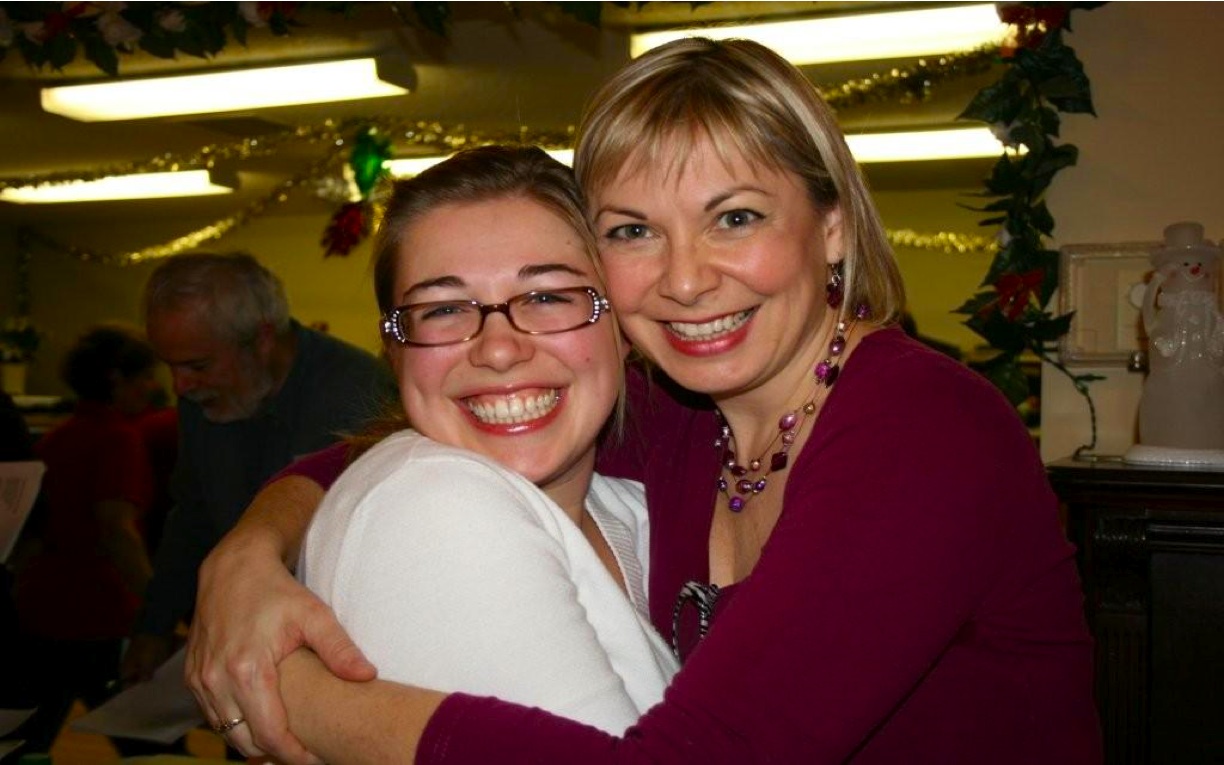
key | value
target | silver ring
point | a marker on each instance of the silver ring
(228, 725)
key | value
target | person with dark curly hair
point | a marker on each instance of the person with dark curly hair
(77, 597)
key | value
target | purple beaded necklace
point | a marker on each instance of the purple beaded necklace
(747, 480)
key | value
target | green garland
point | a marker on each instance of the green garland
(1042, 79)
(56, 33)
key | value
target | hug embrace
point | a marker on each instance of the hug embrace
(789, 533)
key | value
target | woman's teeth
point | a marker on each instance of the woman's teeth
(710, 329)
(512, 410)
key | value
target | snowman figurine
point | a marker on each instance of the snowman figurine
(1181, 413)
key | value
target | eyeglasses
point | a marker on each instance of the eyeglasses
(540, 312)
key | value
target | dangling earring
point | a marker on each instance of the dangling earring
(834, 287)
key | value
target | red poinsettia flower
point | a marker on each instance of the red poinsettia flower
(286, 10)
(1032, 24)
(58, 22)
(1017, 292)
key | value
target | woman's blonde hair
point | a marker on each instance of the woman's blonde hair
(745, 99)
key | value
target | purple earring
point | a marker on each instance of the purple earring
(834, 289)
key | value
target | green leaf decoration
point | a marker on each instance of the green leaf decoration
(1006, 374)
(977, 303)
(1043, 79)
(587, 13)
(102, 55)
(370, 153)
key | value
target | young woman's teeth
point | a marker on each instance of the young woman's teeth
(710, 329)
(512, 410)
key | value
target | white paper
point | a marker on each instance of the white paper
(160, 710)
(19, 483)
(11, 719)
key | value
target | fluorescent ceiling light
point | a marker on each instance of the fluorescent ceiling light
(860, 37)
(221, 91)
(137, 186)
(960, 143)
(410, 166)
(915, 146)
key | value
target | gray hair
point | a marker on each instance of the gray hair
(236, 293)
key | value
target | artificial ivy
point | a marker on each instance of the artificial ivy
(1042, 78)
(55, 34)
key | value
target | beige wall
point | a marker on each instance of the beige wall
(1153, 155)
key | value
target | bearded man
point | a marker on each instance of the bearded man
(255, 390)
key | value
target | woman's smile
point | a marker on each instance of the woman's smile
(711, 336)
(515, 412)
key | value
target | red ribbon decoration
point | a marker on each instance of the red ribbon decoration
(348, 227)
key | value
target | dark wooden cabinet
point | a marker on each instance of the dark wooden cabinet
(1151, 554)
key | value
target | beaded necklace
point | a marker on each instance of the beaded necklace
(748, 481)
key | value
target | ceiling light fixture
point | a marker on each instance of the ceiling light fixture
(410, 166)
(859, 37)
(136, 186)
(229, 91)
(912, 146)
(924, 145)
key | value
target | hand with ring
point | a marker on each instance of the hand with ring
(250, 614)
(228, 725)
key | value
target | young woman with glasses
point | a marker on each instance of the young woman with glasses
(475, 546)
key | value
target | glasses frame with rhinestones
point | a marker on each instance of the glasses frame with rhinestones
(393, 328)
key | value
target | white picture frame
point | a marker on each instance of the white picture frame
(1103, 284)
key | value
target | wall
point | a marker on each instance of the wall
(1152, 156)
(937, 282)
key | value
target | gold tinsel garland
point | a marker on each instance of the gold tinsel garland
(193, 239)
(911, 84)
(905, 85)
(943, 241)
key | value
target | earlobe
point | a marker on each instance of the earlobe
(832, 224)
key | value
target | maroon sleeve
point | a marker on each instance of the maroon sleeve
(323, 467)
